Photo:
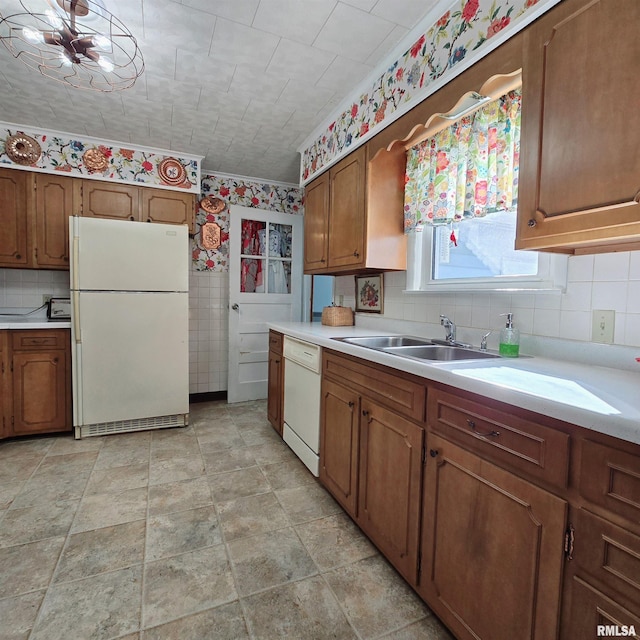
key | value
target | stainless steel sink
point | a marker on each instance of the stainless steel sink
(418, 348)
(439, 352)
(385, 342)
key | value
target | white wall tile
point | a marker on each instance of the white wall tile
(577, 297)
(611, 266)
(634, 266)
(609, 295)
(575, 325)
(546, 322)
(633, 296)
(580, 269)
(632, 329)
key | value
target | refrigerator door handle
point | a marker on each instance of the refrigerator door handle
(76, 316)
(75, 263)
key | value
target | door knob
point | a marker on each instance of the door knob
(235, 306)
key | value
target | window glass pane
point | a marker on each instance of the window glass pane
(480, 248)
(252, 275)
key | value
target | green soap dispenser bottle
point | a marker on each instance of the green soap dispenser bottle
(509, 339)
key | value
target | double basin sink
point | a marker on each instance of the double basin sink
(419, 348)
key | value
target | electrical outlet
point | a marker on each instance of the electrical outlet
(45, 299)
(603, 323)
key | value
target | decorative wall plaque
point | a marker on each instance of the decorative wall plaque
(22, 149)
(212, 205)
(210, 234)
(95, 160)
(172, 172)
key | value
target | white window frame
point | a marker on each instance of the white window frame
(551, 276)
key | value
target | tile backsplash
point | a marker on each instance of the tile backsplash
(24, 288)
(600, 281)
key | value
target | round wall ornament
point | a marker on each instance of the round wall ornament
(95, 160)
(212, 205)
(22, 149)
(172, 172)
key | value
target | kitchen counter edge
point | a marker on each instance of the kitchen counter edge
(609, 397)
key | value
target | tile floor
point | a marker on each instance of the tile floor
(211, 531)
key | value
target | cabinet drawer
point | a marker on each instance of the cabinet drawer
(46, 339)
(609, 553)
(610, 478)
(541, 452)
(275, 341)
(396, 392)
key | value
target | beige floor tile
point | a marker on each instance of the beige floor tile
(14, 468)
(175, 469)
(376, 599)
(186, 584)
(165, 447)
(107, 509)
(36, 523)
(22, 446)
(8, 492)
(301, 610)
(334, 541)
(228, 460)
(18, 614)
(28, 567)
(271, 453)
(179, 496)
(288, 474)
(44, 491)
(100, 550)
(96, 608)
(124, 450)
(68, 444)
(238, 484)
(268, 560)
(174, 533)
(256, 435)
(222, 623)
(228, 439)
(251, 516)
(108, 481)
(68, 465)
(307, 502)
(429, 628)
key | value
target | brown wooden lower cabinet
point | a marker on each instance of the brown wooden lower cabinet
(275, 404)
(509, 524)
(37, 382)
(492, 548)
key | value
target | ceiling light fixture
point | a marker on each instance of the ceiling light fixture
(77, 42)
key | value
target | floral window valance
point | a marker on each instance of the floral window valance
(467, 170)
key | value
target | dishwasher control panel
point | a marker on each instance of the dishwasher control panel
(304, 353)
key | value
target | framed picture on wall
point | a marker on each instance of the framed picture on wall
(369, 295)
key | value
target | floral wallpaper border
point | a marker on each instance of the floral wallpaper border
(458, 38)
(244, 192)
(133, 165)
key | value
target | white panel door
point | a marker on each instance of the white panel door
(265, 285)
(132, 356)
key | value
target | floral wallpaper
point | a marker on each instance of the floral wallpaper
(464, 29)
(243, 192)
(66, 154)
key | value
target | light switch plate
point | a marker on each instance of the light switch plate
(603, 323)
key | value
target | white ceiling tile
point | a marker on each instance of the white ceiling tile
(386, 46)
(292, 19)
(159, 58)
(252, 83)
(222, 104)
(239, 44)
(204, 69)
(365, 5)
(298, 93)
(352, 33)
(295, 60)
(343, 75)
(403, 12)
(182, 116)
(179, 26)
(241, 11)
(263, 114)
(184, 94)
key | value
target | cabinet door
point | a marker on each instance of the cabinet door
(347, 211)
(168, 207)
(15, 199)
(56, 200)
(492, 553)
(580, 166)
(339, 416)
(5, 396)
(390, 485)
(40, 392)
(316, 224)
(110, 200)
(274, 402)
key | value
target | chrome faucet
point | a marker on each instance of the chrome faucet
(449, 327)
(483, 341)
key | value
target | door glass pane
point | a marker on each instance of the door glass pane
(252, 272)
(279, 276)
(280, 240)
(253, 238)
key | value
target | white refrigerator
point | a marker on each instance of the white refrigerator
(130, 325)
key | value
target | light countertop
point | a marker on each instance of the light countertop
(602, 399)
(36, 322)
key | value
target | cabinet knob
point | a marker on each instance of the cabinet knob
(55, 360)
(18, 256)
(531, 223)
(277, 361)
(365, 412)
(351, 404)
(433, 453)
(148, 219)
(131, 218)
(322, 260)
(356, 254)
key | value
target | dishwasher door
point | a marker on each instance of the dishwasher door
(302, 401)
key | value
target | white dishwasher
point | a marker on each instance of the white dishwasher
(302, 400)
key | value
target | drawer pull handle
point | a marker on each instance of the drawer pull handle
(37, 341)
(351, 403)
(488, 434)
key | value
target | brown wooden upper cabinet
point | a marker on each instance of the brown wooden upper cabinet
(580, 166)
(353, 218)
(15, 210)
